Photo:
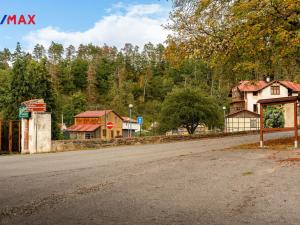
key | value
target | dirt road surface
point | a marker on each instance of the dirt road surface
(194, 182)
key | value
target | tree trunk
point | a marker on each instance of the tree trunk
(191, 128)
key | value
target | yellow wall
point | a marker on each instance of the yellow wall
(116, 130)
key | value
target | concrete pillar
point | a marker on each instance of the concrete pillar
(261, 144)
(25, 136)
(36, 137)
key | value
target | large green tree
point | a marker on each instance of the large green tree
(79, 69)
(91, 76)
(240, 39)
(42, 88)
(19, 88)
(188, 108)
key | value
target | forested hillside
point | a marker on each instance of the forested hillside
(94, 77)
(214, 44)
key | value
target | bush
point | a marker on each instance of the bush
(273, 116)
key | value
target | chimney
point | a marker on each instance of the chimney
(268, 79)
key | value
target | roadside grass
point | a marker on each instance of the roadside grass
(276, 144)
(248, 173)
(6, 153)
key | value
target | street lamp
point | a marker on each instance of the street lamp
(130, 107)
(224, 109)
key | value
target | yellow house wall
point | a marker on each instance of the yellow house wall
(116, 130)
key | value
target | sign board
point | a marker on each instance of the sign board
(23, 112)
(109, 125)
(37, 107)
(140, 120)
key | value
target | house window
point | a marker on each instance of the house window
(89, 135)
(253, 123)
(255, 108)
(104, 133)
(255, 93)
(118, 133)
(275, 90)
(112, 134)
(116, 120)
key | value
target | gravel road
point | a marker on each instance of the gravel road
(194, 182)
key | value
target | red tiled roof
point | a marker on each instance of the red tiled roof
(127, 119)
(290, 85)
(84, 127)
(32, 101)
(246, 85)
(91, 114)
(252, 86)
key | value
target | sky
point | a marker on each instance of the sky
(77, 22)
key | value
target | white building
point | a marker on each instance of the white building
(183, 131)
(130, 125)
(244, 109)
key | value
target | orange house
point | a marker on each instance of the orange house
(93, 124)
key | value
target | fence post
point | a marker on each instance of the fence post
(261, 126)
(10, 136)
(0, 135)
(295, 124)
(19, 136)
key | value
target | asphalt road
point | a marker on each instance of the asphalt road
(194, 182)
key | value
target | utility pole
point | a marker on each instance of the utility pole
(225, 128)
(62, 122)
(0, 135)
(105, 124)
(130, 107)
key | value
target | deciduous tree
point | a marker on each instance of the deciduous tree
(188, 108)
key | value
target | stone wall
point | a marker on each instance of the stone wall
(71, 145)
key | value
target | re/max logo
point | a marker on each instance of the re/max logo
(18, 20)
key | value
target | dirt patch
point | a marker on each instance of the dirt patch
(248, 173)
(293, 161)
(276, 144)
(91, 189)
(50, 201)
(289, 160)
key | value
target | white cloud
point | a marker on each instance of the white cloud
(136, 24)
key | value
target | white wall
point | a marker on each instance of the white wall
(241, 124)
(250, 100)
(23, 134)
(39, 133)
(134, 126)
(263, 94)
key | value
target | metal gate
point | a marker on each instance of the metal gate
(10, 136)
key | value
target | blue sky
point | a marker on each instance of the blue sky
(89, 21)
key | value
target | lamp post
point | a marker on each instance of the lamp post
(105, 122)
(224, 109)
(130, 108)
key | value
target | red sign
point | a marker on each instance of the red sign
(37, 107)
(109, 125)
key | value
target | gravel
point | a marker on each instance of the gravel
(194, 182)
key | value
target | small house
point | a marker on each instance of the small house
(103, 124)
(130, 126)
(183, 131)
